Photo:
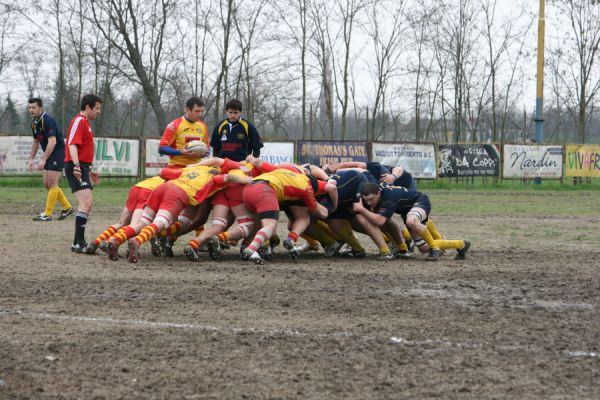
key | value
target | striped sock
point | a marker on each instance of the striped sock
(123, 234)
(223, 237)
(262, 235)
(293, 236)
(105, 235)
(146, 233)
(193, 244)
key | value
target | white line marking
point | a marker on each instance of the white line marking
(427, 343)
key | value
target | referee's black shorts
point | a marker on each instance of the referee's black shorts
(78, 184)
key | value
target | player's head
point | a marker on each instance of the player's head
(91, 106)
(194, 108)
(370, 193)
(233, 109)
(35, 107)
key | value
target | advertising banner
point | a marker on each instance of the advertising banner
(14, 155)
(277, 152)
(418, 159)
(154, 161)
(325, 152)
(582, 160)
(116, 157)
(526, 161)
(458, 160)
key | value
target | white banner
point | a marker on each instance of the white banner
(116, 157)
(523, 161)
(418, 159)
(277, 152)
(14, 155)
(154, 161)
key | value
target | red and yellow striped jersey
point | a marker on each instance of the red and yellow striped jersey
(150, 183)
(178, 133)
(290, 186)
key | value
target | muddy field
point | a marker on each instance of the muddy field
(518, 319)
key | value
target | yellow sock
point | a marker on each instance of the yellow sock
(433, 230)
(426, 236)
(384, 249)
(316, 234)
(402, 246)
(406, 234)
(325, 228)
(51, 201)
(62, 199)
(444, 244)
(347, 235)
(311, 242)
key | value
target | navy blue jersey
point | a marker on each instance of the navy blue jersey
(349, 184)
(45, 127)
(396, 200)
(377, 170)
(405, 180)
(235, 140)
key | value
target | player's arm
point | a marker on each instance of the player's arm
(373, 218)
(231, 178)
(331, 191)
(396, 173)
(209, 162)
(346, 165)
(34, 148)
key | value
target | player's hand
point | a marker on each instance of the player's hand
(94, 178)
(387, 178)
(77, 173)
(188, 153)
(30, 164)
(253, 160)
(41, 164)
(358, 206)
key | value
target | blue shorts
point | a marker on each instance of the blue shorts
(56, 161)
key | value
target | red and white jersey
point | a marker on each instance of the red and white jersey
(80, 134)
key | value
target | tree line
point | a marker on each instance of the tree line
(387, 70)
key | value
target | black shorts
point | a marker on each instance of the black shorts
(422, 202)
(344, 211)
(56, 161)
(78, 184)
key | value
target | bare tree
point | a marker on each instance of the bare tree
(227, 14)
(575, 60)
(140, 35)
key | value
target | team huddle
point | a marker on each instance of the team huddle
(243, 197)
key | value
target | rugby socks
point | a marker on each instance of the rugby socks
(193, 244)
(316, 233)
(311, 242)
(402, 246)
(223, 237)
(171, 230)
(146, 233)
(426, 236)
(325, 228)
(293, 236)
(123, 234)
(51, 200)
(433, 230)
(261, 236)
(62, 199)
(406, 234)
(347, 235)
(445, 244)
(80, 222)
(384, 249)
(105, 235)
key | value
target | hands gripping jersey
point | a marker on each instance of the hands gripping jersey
(178, 133)
(399, 200)
(289, 185)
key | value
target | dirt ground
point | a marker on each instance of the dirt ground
(518, 319)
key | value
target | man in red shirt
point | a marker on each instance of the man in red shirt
(78, 164)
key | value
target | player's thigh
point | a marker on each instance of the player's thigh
(85, 200)
(51, 178)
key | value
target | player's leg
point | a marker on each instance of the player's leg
(342, 228)
(220, 214)
(374, 232)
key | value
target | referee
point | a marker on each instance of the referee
(78, 165)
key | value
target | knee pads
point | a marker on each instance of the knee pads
(418, 214)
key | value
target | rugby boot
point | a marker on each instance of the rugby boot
(344, 249)
(385, 256)
(265, 252)
(90, 249)
(253, 256)
(166, 247)
(78, 248)
(112, 248)
(155, 247)
(103, 246)
(462, 253)
(403, 254)
(332, 249)
(65, 213)
(134, 251)
(215, 249)
(306, 247)
(191, 253)
(434, 255)
(291, 248)
(43, 218)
